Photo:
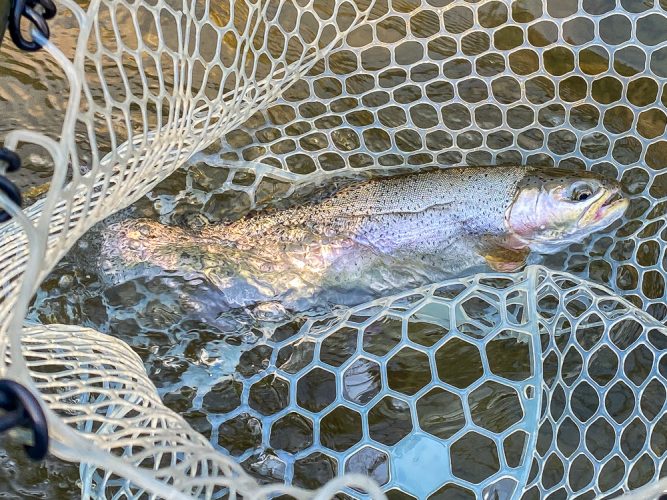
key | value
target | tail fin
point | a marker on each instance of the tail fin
(130, 249)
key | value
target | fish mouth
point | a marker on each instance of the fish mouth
(614, 197)
(606, 210)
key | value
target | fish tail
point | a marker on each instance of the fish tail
(126, 250)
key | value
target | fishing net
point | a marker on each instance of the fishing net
(576, 84)
(302, 91)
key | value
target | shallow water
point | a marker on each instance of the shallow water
(200, 366)
(22, 478)
(202, 361)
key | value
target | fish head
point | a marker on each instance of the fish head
(554, 208)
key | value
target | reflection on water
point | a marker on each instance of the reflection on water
(20, 477)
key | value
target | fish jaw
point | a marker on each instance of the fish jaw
(599, 216)
(604, 211)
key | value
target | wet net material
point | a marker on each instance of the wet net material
(556, 396)
(576, 84)
(576, 411)
(184, 74)
(316, 88)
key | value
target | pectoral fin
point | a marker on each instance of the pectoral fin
(503, 259)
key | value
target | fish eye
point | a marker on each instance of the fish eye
(581, 192)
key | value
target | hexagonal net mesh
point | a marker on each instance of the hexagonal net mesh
(563, 387)
(491, 384)
(576, 84)
(150, 84)
(523, 386)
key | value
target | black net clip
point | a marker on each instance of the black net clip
(23, 410)
(36, 12)
(13, 162)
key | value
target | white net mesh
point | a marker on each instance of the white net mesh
(99, 386)
(577, 410)
(312, 88)
(567, 83)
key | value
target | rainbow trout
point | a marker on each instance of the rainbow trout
(377, 236)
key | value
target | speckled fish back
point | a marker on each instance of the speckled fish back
(417, 192)
(438, 204)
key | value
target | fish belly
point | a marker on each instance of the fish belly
(299, 272)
